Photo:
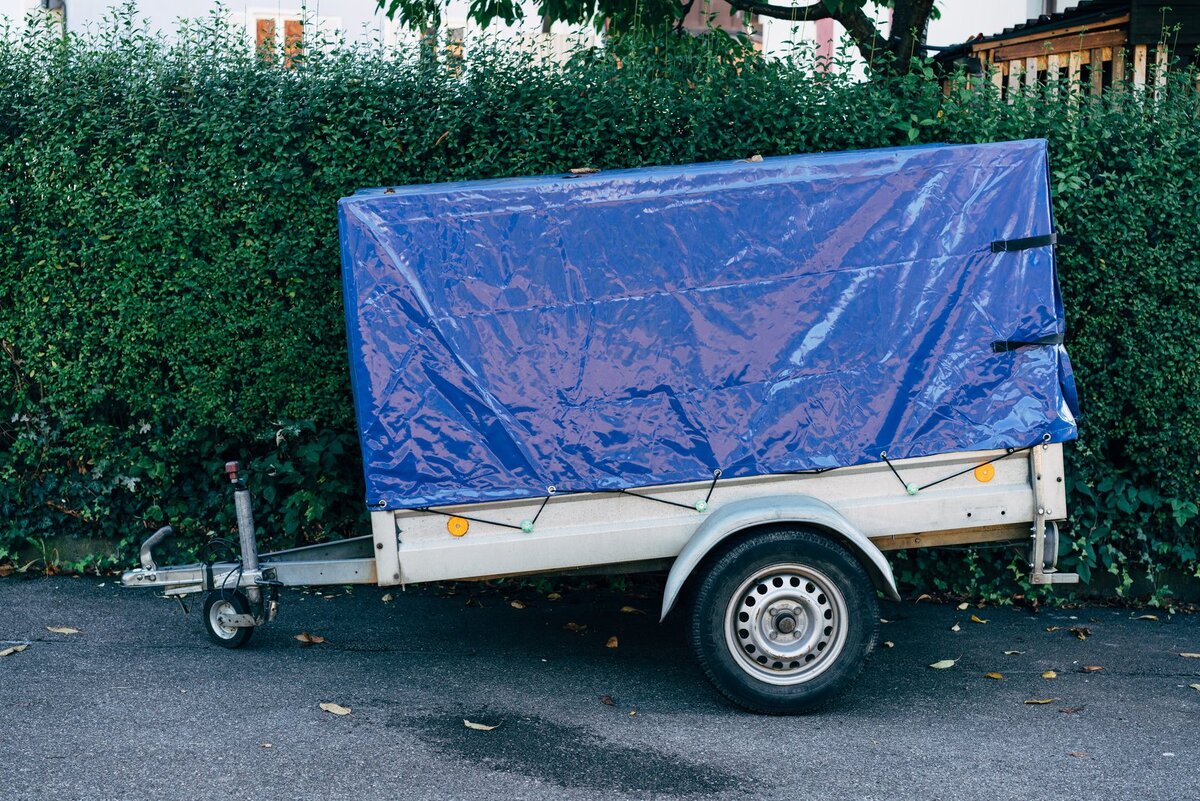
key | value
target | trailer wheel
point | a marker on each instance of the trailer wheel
(226, 602)
(783, 621)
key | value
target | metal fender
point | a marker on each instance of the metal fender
(754, 512)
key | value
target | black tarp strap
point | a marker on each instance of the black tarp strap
(1011, 245)
(1007, 345)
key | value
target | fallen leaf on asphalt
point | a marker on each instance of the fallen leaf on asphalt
(1049, 674)
(387, 599)
(963, 606)
(265, 745)
(335, 709)
(1194, 686)
(1013, 653)
(479, 726)
(994, 675)
(1082, 632)
(1091, 668)
(309, 639)
(629, 610)
(6, 570)
(942, 664)
(612, 643)
(1040, 701)
(977, 619)
(923, 597)
(16, 649)
(554, 596)
(573, 626)
(633, 713)
(1191, 656)
(956, 627)
(1053, 628)
(884, 620)
(889, 644)
(516, 605)
(607, 700)
(1078, 754)
(1071, 710)
(1146, 617)
(62, 629)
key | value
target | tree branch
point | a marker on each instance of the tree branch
(856, 22)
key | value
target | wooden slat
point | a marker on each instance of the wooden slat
(1139, 65)
(1014, 79)
(1118, 68)
(958, 536)
(1097, 72)
(1104, 25)
(1160, 65)
(1031, 71)
(1062, 44)
(998, 77)
(1074, 68)
(1052, 73)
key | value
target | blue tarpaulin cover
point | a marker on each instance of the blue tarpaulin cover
(649, 326)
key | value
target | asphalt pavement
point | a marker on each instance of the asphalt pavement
(140, 705)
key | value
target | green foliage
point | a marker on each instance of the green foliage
(169, 267)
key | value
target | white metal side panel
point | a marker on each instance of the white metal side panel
(592, 529)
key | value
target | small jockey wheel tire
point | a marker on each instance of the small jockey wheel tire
(225, 602)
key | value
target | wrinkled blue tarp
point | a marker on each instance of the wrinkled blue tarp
(650, 326)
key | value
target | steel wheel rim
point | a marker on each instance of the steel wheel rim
(786, 624)
(220, 629)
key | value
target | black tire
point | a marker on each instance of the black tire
(754, 621)
(217, 602)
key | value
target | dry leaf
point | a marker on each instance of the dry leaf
(1194, 686)
(16, 649)
(6, 570)
(1053, 628)
(387, 599)
(1191, 656)
(1049, 674)
(963, 606)
(309, 639)
(923, 597)
(554, 596)
(977, 619)
(612, 643)
(1071, 710)
(629, 610)
(1040, 701)
(62, 629)
(1146, 617)
(479, 726)
(633, 713)
(889, 644)
(884, 620)
(607, 700)
(1078, 754)
(753, 159)
(1091, 668)
(1082, 632)
(573, 626)
(335, 709)
(265, 745)
(956, 627)
(1013, 653)
(943, 664)
(516, 604)
(994, 675)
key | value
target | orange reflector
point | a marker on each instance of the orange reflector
(457, 526)
(985, 473)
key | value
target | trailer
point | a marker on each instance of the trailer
(759, 376)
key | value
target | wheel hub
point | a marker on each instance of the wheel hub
(786, 624)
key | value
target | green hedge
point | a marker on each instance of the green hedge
(169, 293)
